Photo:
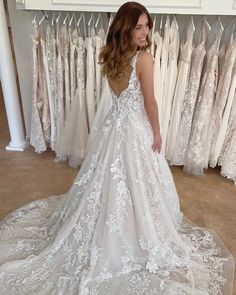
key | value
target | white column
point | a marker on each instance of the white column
(9, 88)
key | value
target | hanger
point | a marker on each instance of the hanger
(53, 19)
(70, 22)
(98, 19)
(192, 22)
(161, 23)
(110, 20)
(175, 21)
(58, 17)
(206, 22)
(91, 19)
(109, 24)
(154, 23)
(34, 19)
(65, 19)
(78, 23)
(44, 16)
(89, 24)
(221, 25)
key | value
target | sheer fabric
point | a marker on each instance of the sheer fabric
(199, 146)
(180, 89)
(183, 134)
(119, 229)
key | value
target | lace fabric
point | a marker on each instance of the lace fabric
(72, 142)
(172, 72)
(37, 139)
(216, 150)
(119, 229)
(222, 95)
(90, 79)
(199, 147)
(179, 93)
(190, 99)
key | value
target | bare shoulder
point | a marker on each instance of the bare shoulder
(144, 63)
(144, 57)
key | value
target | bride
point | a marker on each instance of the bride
(119, 229)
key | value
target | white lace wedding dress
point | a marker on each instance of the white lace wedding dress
(119, 229)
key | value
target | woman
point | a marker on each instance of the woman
(119, 229)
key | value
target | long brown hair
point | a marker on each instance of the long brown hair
(115, 56)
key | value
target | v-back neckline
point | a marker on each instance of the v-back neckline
(123, 90)
(133, 68)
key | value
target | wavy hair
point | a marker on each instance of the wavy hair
(115, 56)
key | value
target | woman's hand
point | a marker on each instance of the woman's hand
(157, 142)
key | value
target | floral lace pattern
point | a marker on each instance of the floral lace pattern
(119, 229)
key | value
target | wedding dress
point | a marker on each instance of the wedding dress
(190, 98)
(37, 139)
(66, 69)
(90, 78)
(216, 150)
(164, 67)
(72, 143)
(197, 156)
(119, 229)
(157, 73)
(180, 90)
(222, 94)
(172, 72)
(99, 42)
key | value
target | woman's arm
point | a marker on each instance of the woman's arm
(145, 74)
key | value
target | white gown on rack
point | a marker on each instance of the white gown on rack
(98, 42)
(60, 104)
(180, 90)
(190, 98)
(157, 72)
(119, 229)
(171, 76)
(222, 95)
(90, 79)
(198, 149)
(228, 162)
(164, 65)
(227, 156)
(43, 85)
(72, 143)
(66, 69)
(50, 65)
(216, 149)
(37, 139)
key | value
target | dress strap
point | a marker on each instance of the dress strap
(134, 59)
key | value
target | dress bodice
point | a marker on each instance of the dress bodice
(131, 98)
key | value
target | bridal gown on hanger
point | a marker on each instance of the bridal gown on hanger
(227, 155)
(180, 90)
(198, 149)
(98, 42)
(72, 143)
(228, 162)
(157, 72)
(90, 77)
(222, 94)
(190, 98)
(37, 139)
(164, 65)
(119, 229)
(60, 104)
(215, 152)
(171, 73)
